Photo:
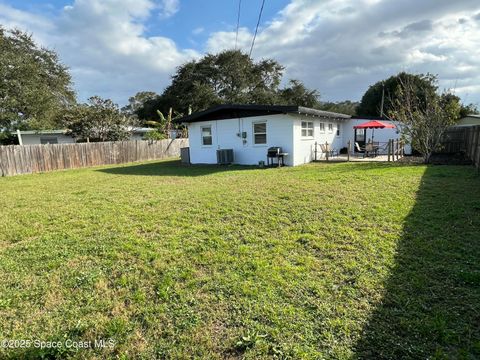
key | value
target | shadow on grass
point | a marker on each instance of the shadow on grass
(431, 305)
(172, 168)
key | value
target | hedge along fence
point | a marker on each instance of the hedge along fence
(28, 159)
(463, 139)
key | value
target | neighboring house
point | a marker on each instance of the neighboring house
(44, 137)
(35, 137)
(469, 120)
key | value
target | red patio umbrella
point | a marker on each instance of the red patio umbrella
(374, 124)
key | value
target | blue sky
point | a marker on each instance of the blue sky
(115, 48)
(192, 23)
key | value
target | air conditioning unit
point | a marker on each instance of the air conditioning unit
(185, 155)
(225, 156)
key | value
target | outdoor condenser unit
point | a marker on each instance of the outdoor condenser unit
(225, 156)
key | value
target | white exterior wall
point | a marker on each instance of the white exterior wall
(224, 136)
(136, 136)
(34, 139)
(304, 147)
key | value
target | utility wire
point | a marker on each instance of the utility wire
(256, 29)
(238, 22)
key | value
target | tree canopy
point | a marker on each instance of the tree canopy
(34, 86)
(228, 77)
(371, 102)
(344, 107)
(98, 120)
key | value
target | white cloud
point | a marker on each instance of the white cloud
(198, 30)
(169, 8)
(104, 44)
(342, 46)
(339, 47)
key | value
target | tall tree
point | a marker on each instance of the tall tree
(344, 107)
(98, 120)
(136, 103)
(470, 109)
(227, 77)
(35, 87)
(371, 103)
(296, 93)
(422, 114)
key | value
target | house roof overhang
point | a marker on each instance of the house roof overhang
(224, 112)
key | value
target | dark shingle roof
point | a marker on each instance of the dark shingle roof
(237, 111)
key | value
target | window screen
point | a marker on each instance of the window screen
(206, 135)
(260, 133)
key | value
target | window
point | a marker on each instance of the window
(206, 135)
(48, 140)
(260, 133)
(307, 128)
(322, 127)
(338, 129)
(330, 128)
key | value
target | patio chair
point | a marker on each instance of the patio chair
(370, 148)
(328, 149)
(360, 150)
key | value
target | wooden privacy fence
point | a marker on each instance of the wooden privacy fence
(463, 139)
(28, 159)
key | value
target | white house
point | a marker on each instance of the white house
(249, 130)
(36, 137)
(469, 120)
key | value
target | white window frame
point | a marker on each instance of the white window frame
(308, 130)
(322, 128)
(202, 137)
(338, 130)
(259, 133)
(330, 128)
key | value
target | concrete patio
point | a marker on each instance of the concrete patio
(359, 158)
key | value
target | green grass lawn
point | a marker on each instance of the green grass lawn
(338, 261)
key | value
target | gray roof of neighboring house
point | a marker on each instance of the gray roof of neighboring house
(42, 132)
(223, 112)
(55, 132)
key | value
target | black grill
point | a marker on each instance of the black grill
(275, 152)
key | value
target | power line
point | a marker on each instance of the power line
(238, 22)
(256, 29)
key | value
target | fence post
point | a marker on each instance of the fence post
(388, 148)
(2, 172)
(326, 150)
(348, 150)
(476, 142)
(315, 151)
